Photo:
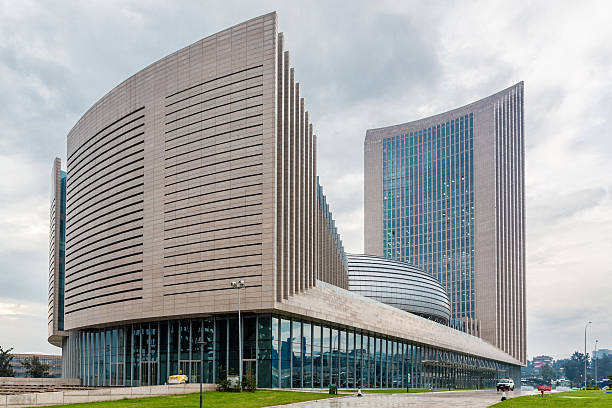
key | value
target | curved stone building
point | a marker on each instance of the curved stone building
(198, 171)
(447, 193)
(398, 284)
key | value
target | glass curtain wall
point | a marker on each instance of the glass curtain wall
(280, 352)
(428, 205)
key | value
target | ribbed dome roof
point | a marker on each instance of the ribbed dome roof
(398, 284)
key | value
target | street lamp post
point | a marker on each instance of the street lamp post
(202, 344)
(595, 359)
(585, 353)
(239, 285)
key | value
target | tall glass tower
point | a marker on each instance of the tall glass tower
(57, 254)
(446, 194)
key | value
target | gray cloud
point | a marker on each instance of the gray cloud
(21, 278)
(554, 207)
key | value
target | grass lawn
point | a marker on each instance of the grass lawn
(211, 400)
(403, 390)
(589, 399)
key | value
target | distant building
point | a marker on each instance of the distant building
(54, 362)
(541, 361)
(528, 370)
(601, 353)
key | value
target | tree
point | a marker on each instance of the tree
(35, 368)
(548, 373)
(5, 363)
(604, 366)
(574, 367)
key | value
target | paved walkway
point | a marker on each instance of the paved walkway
(444, 399)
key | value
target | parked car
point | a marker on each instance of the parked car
(178, 379)
(505, 384)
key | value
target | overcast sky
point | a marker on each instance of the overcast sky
(361, 64)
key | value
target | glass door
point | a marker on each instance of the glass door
(184, 369)
(144, 373)
(249, 368)
(194, 376)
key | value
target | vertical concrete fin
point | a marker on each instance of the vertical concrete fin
(280, 172)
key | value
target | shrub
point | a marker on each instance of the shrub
(249, 383)
(223, 384)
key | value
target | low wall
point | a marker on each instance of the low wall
(100, 394)
(39, 381)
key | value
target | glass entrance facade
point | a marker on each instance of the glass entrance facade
(281, 352)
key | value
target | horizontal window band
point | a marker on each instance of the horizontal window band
(215, 220)
(213, 202)
(217, 125)
(205, 290)
(208, 137)
(209, 231)
(213, 280)
(214, 117)
(75, 250)
(212, 259)
(108, 261)
(107, 253)
(80, 169)
(83, 167)
(107, 205)
(260, 125)
(139, 262)
(73, 258)
(212, 270)
(249, 156)
(109, 224)
(75, 223)
(213, 240)
(201, 251)
(212, 192)
(210, 81)
(212, 183)
(104, 287)
(214, 173)
(213, 108)
(83, 197)
(401, 294)
(75, 188)
(214, 211)
(102, 279)
(202, 148)
(105, 128)
(118, 292)
(108, 228)
(103, 304)
(213, 155)
(218, 96)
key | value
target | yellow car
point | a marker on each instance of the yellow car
(178, 379)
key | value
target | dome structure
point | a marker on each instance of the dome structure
(399, 284)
